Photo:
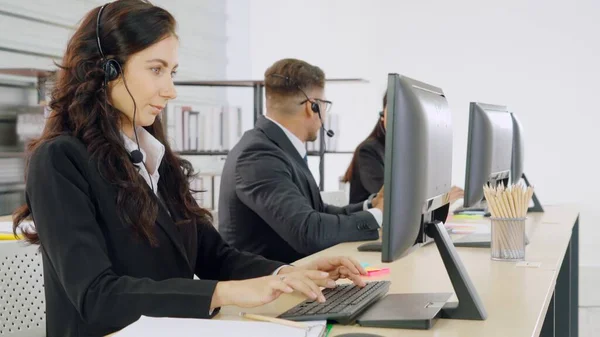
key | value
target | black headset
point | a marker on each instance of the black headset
(112, 69)
(314, 106)
(380, 124)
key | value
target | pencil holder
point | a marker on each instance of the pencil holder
(508, 239)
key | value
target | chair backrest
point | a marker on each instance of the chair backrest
(335, 198)
(22, 301)
(344, 187)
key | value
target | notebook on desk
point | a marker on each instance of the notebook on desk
(6, 229)
(183, 327)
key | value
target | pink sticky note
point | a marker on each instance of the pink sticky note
(379, 272)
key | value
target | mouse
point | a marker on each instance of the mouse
(358, 334)
(370, 247)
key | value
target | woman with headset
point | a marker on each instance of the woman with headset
(365, 172)
(119, 232)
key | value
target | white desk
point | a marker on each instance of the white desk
(519, 301)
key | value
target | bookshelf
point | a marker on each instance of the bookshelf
(41, 76)
(10, 112)
(258, 108)
(16, 123)
(203, 153)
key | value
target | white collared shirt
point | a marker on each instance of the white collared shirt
(152, 154)
(298, 144)
(301, 148)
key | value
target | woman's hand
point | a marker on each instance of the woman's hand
(262, 290)
(306, 279)
(339, 267)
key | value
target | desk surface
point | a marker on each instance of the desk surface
(516, 298)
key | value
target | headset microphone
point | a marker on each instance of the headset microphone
(329, 132)
(136, 156)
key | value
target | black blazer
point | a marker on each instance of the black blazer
(270, 205)
(98, 276)
(367, 173)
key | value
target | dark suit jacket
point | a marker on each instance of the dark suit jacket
(270, 204)
(98, 276)
(368, 173)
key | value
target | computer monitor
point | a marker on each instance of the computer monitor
(516, 167)
(417, 180)
(489, 149)
(418, 163)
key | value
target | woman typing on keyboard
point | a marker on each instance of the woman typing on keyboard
(119, 231)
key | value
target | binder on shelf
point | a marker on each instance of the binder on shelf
(216, 190)
(203, 185)
(332, 142)
(185, 111)
(193, 131)
(30, 125)
(216, 129)
(207, 185)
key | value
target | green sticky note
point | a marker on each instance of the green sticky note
(329, 327)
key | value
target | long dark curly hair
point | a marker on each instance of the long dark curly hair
(78, 109)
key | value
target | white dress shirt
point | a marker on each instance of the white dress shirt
(301, 148)
(152, 154)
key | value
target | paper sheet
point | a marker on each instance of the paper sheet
(183, 327)
(6, 226)
(468, 227)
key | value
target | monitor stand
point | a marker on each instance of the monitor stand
(480, 209)
(537, 206)
(375, 246)
(420, 311)
(370, 247)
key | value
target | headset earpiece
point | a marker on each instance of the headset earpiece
(111, 70)
(314, 106)
(110, 66)
(381, 114)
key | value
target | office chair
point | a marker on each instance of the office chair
(22, 301)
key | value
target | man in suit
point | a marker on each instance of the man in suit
(269, 202)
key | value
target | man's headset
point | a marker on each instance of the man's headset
(314, 106)
(381, 125)
(112, 69)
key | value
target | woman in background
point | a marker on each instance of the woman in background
(365, 172)
(119, 232)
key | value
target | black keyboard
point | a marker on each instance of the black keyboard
(343, 303)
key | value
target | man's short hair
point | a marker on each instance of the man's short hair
(283, 78)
